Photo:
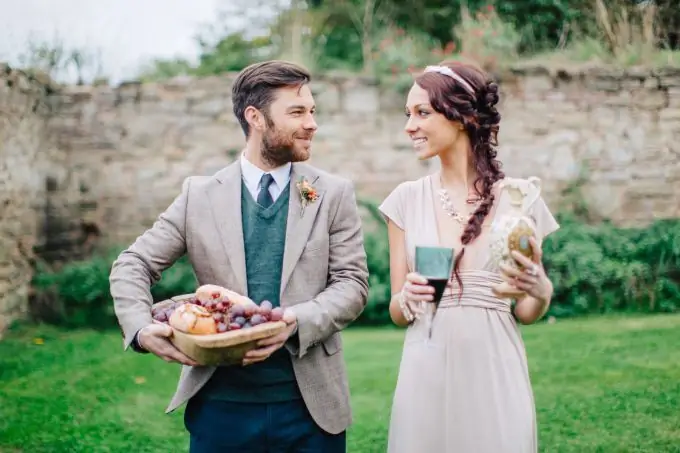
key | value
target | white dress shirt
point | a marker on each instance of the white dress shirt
(253, 174)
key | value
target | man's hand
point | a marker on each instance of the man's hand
(267, 346)
(154, 338)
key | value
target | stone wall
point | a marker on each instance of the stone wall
(108, 160)
(25, 155)
(621, 127)
(131, 146)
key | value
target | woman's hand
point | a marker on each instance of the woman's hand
(533, 279)
(415, 291)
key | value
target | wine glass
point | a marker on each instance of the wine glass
(436, 265)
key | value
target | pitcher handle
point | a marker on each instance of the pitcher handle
(536, 182)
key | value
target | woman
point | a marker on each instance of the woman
(465, 389)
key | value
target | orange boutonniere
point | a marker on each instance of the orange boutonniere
(308, 193)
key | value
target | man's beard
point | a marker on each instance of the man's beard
(278, 149)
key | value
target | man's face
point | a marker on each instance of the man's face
(290, 126)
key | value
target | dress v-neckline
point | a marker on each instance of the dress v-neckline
(433, 210)
(433, 189)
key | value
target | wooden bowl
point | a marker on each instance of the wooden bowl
(227, 348)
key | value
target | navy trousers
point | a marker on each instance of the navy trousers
(287, 427)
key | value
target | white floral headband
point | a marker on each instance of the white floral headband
(449, 72)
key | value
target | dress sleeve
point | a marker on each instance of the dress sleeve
(545, 222)
(392, 208)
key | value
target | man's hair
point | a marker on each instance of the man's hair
(256, 85)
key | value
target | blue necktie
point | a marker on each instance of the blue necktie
(264, 198)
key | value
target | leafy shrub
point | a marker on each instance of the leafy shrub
(400, 53)
(487, 39)
(78, 294)
(378, 262)
(75, 295)
(601, 269)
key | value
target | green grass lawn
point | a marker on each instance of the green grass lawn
(602, 385)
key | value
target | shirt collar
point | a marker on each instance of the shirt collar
(252, 174)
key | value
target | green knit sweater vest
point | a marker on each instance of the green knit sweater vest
(264, 235)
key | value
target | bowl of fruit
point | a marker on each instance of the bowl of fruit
(217, 326)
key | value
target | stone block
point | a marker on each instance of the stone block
(128, 93)
(650, 99)
(631, 84)
(672, 172)
(604, 197)
(78, 94)
(647, 178)
(674, 98)
(669, 119)
(538, 83)
(669, 81)
(619, 99)
(592, 147)
(210, 107)
(651, 83)
(103, 94)
(562, 162)
(360, 99)
(605, 117)
(327, 96)
(637, 73)
(169, 106)
(608, 84)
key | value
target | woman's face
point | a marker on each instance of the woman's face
(431, 132)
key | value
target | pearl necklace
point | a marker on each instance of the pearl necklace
(447, 206)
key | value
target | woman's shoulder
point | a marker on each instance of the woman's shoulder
(399, 204)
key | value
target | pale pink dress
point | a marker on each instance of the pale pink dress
(467, 389)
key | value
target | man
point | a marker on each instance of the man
(253, 229)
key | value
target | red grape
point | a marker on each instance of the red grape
(257, 319)
(237, 310)
(219, 306)
(222, 327)
(240, 320)
(234, 326)
(160, 316)
(218, 317)
(265, 312)
(277, 314)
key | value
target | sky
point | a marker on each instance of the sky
(126, 33)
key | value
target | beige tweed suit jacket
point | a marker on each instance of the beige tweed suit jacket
(324, 281)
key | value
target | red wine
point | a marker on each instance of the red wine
(439, 285)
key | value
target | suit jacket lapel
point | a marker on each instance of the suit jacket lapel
(299, 224)
(225, 202)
